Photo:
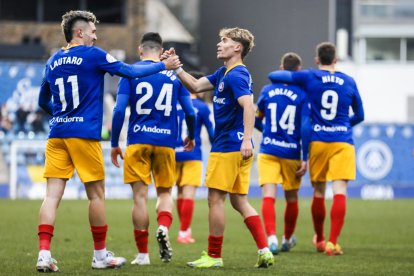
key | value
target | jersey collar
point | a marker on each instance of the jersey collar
(231, 67)
(69, 46)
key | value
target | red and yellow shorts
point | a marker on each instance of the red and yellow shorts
(331, 161)
(276, 170)
(227, 171)
(189, 173)
(141, 160)
(64, 155)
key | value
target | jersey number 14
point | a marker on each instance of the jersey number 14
(286, 122)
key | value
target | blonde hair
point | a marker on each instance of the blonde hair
(243, 36)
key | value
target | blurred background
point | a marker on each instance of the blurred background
(375, 40)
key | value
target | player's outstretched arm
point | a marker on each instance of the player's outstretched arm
(45, 97)
(246, 102)
(143, 70)
(194, 85)
(281, 76)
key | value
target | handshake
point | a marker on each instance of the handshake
(171, 60)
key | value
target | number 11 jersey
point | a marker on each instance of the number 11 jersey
(75, 77)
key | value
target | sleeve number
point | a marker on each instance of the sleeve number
(329, 103)
(286, 122)
(75, 91)
(163, 102)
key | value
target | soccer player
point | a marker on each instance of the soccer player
(230, 160)
(287, 124)
(152, 137)
(72, 92)
(331, 151)
(189, 164)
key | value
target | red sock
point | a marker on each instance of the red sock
(269, 215)
(338, 211)
(99, 236)
(179, 206)
(164, 218)
(45, 233)
(291, 216)
(214, 246)
(318, 216)
(186, 213)
(141, 240)
(256, 229)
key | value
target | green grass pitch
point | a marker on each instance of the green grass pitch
(377, 239)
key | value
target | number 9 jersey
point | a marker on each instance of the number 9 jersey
(75, 79)
(331, 94)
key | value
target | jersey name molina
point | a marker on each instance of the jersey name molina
(282, 106)
(202, 116)
(76, 80)
(153, 101)
(228, 114)
(330, 94)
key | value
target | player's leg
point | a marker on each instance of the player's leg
(87, 158)
(216, 220)
(47, 215)
(163, 170)
(140, 220)
(189, 181)
(269, 175)
(291, 216)
(187, 209)
(179, 166)
(58, 168)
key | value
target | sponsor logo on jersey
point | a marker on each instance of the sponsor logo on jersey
(221, 87)
(66, 120)
(219, 100)
(318, 128)
(283, 144)
(110, 58)
(240, 135)
(374, 159)
(154, 129)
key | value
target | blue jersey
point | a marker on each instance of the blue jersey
(285, 108)
(202, 118)
(153, 101)
(75, 79)
(229, 85)
(331, 95)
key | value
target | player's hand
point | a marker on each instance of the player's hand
(246, 149)
(114, 156)
(302, 169)
(167, 53)
(189, 144)
(172, 62)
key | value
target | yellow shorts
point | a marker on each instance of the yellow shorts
(141, 160)
(64, 155)
(331, 161)
(189, 173)
(276, 170)
(227, 171)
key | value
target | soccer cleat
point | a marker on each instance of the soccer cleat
(187, 238)
(273, 248)
(288, 244)
(110, 261)
(264, 260)
(141, 259)
(333, 249)
(206, 261)
(320, 246)
(164, 244)
(45, 264)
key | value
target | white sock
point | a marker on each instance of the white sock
(263, 250)
(45, 254)
(143, 255)
(100, 254)
(272, 239)
(184, 233)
